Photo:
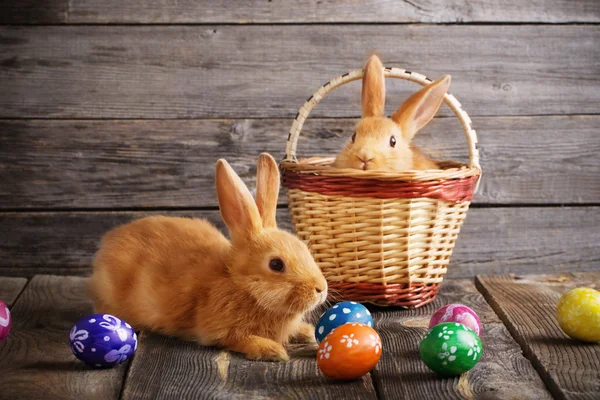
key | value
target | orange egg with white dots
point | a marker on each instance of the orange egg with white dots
(349, 351)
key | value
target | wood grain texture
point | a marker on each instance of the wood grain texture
(493, 240)
(527, 306)
(503, 372)
(211, 71)
(300, 11)
(10, 288)
(168, 368)
(170, 163)
(37, 362)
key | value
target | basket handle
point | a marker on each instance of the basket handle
(463, 117)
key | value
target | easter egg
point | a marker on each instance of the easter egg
(450, 349)
(5, 321)
(456, 313)
(102, 340)
(340, 314)
(349, 351)
(578, 314)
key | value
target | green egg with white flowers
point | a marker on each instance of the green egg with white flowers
(450, 349)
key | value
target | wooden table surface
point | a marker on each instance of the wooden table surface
(526, 355)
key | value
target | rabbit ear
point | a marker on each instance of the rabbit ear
(238, 209)
(373, 88)
(267, 189)
(420, 108)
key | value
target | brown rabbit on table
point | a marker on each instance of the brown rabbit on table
(381, 143)
(182, 277)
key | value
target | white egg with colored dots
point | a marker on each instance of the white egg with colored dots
(340, 314)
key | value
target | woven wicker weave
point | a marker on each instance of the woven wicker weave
(380, 237)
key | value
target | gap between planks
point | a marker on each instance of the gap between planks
(202, 24)
(168, 209)
(11, 289)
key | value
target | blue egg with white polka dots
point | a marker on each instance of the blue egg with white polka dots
(340, 314)
(102, 340)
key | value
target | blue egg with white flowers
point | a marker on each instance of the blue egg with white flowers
(102, 340)
(340, 314)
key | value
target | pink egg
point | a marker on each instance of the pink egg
(5, 321)
(456, 313)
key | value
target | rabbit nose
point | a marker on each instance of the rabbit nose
(365, 159)
(321, 287)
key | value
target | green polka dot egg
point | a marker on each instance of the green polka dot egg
(450, 349)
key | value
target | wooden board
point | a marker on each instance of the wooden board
(527, 305)
(501, 373)
(37, 362)
(170, 163)
(493, 240)
(10, 288)
(170, 368)
(300, 11)
(210, 71)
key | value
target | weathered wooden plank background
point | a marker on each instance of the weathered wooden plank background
(164, 163)
(10, 288)
(302, 11)
(161, 363)
(231, 71)
(112, 110)
(37, 362)
(502, 372)
(527, 306)
(495, 239)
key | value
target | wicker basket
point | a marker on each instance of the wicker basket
(379, 237)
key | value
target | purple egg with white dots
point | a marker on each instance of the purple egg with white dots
(340, 314)
(5, 321)
(456, 313)
(102, 340)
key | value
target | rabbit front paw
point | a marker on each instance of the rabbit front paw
(305, 333)
(261, 349)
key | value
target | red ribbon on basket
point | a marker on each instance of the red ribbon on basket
(458, 190)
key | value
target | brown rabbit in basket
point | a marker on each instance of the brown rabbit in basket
(182, 277)
(381, 143)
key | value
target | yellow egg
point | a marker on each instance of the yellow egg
(578, 314)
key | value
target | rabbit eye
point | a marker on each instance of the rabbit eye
(393, 141)
(277, 265)
(354, 137)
